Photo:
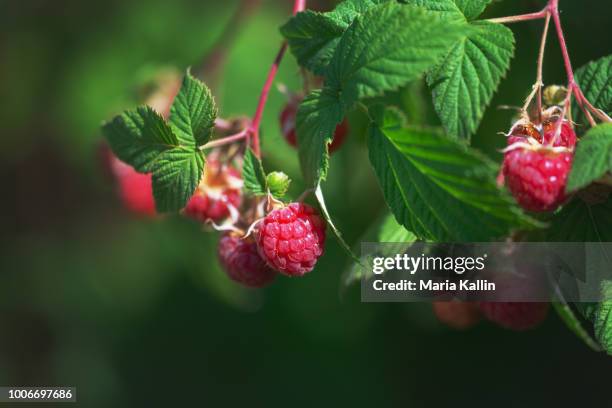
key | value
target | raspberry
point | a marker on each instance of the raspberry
(218, 192)
(521, 131)
(458, 315)
(567, 137)
(242, 262)
(287, 121)
(135, 189)
(537, 177)
(515, 315)
(291, 239)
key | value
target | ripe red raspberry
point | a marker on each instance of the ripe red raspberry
(242, 262)
(219, 192)
(287, 122)
(515, 315)
(567, 137)
(537, 177)
(458, 315)
(135, 189)
(291, 239)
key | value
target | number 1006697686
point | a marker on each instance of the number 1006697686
(37, 394)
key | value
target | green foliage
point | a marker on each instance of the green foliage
(595, 81)
(593, 157)
(193, 113)
(602, 319)
(472, 8)
(377, 53)
(438, 188)
(312, 38)
(464, 82)
(176, 175)
(142, 139)
(317, 117)
(253, 174)
(380, 52)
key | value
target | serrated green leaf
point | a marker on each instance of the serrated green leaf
(463, 84)
(581, 222)
(349, 9)
(446, 8)
(313, 38)
(278, 184)
(321, 200)
(593, 158)
(318, 115)
(437, 188)
(386, 47)
(253, 174)
(193, 113)
(595, 80)
(176, 174)
(602, 322)
(138, 137)
(391, 231)
(472, 8)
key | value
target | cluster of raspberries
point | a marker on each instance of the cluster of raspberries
(288, 240)
(537, 163)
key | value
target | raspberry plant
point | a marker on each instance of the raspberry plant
(436, 185)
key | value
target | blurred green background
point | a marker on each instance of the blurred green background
(136, 313)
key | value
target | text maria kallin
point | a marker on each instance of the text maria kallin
(431, 285)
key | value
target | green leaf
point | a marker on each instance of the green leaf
(439, 189)
(581, 222)
(472, 8)
(463, 84)
(602, 321)
(332, 226)
(253, 174)
(193, 113)
(576, 324)
(278, 183)
(138, 137)
(313, 38)
(593, 157)
(446, 8)
(176, 174)
(387, 47)
(318, 115)
(595, 80)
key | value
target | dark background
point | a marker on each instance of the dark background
(136, 312)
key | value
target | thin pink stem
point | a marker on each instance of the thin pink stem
(298, 5)
(523, 17)
(263, 99)
(553, 6)
(225, 140)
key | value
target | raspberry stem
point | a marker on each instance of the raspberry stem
(552, 10)
(253, 131)
(225, 140)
